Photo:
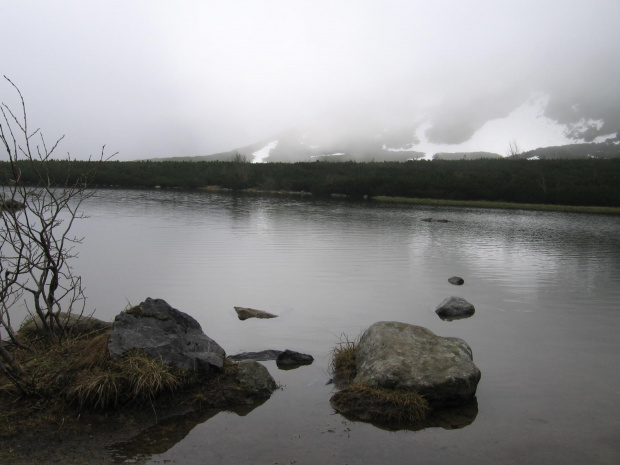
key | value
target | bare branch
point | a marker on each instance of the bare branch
(36, 244)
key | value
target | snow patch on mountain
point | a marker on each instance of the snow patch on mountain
(260, 155)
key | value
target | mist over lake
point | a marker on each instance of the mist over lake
(546, 288)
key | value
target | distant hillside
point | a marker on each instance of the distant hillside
(297, 145)
(573, 151)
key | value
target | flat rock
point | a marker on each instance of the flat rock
(454, 308)
(167, 334)
(395, 355)
(261, 356)
(456, 280)
(244, 313)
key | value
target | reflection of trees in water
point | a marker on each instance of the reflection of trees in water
(167, 433)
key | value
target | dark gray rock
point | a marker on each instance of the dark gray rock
(393, 355)
(457, 281)
(244, 313)
(167, 334)
(291, 359)
(263, 355)
(454, 308)
(254, 379)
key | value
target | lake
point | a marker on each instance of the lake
(546, 287)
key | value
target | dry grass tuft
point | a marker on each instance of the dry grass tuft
(97, 389)
(342, 365)
(134, 378)
(393, 406)
(135, 310)
(87, 353)
(147, 377)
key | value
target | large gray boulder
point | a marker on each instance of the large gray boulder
(167, 334)
(396, 355)
(455, 308)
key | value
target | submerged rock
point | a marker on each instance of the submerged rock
(290, 359)
(454, 308)
(393, 355)
(456, 280)
(244, 313)
(167, 334)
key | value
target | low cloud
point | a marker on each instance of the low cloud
(192, 78)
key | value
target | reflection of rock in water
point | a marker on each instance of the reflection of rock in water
(167, 433)
(447, 418)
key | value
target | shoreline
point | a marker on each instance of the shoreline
(499, 205)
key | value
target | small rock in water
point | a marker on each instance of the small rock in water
(454, 308)
(244, 313)
(290, 359)
(457, 281)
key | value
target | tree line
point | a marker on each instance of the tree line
(587, 182)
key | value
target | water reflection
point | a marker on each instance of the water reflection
(546, 288)
(449, 418)
(167, 433)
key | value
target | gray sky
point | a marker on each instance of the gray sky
(160, 78)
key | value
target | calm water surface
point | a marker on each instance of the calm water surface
(546, 287)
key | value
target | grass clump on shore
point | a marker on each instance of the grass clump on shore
(387, 406)
(77, 379)
(134, 378)
(80, 372)
(342, 365)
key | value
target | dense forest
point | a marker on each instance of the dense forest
(593, 182)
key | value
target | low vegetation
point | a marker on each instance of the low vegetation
(392, 407)
(580, 182)
(342, 365)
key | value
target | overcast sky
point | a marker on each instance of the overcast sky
(161, 78)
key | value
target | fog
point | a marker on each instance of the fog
(160, 79)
